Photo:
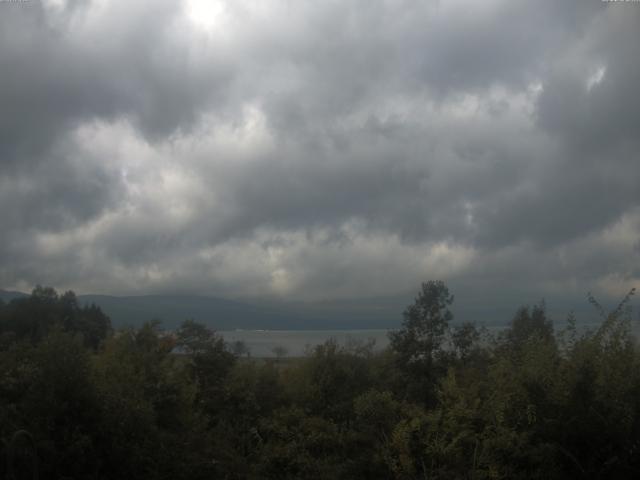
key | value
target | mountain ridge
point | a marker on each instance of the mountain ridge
(225, 314)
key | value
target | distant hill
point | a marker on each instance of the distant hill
(224, 314)
(362, 313)
(173, 309)
(7, 296)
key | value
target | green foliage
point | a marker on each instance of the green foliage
(34, 317)
(207, 361)
(298, 445)
(425, 324)
(46, 390)
(529, 325)
(331, 377)
(418, 345)
(441, 403)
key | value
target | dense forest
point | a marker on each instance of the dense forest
(443, 401)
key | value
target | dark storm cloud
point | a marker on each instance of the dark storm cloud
(319, 149)
(62, 67)
(57, 77)
(588, 105)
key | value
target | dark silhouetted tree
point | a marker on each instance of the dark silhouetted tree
(418, 345)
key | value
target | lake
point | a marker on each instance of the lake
(296, 342)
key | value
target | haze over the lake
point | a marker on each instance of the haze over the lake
(321, 150)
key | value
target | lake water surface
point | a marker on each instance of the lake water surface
(261, 343)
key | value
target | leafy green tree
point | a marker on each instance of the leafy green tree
(297, 445)
(35, 316)
(208, 363)
(530, 324)
(465, 340)
(331, 377)
(377, 415)
(600, 431)
(46, 390)
(150, 425)
(418, 345)
(253, 392)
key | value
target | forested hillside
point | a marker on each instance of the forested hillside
(445, 401)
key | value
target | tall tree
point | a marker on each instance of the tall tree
(418, 344)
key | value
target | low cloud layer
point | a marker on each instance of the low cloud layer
(320, 150)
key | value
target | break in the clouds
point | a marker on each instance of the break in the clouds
(320, 149)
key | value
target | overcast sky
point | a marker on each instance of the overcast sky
(321, 149)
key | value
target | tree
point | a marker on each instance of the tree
(425, 324)
(35, 316)
(209, 362)
(240, 348)
(530, 324)
(46, 390)
(332, 376)
(418, 344)
(465, 338)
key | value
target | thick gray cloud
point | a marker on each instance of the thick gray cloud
(320, 149)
